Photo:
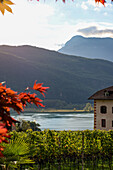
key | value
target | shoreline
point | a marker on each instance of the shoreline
(56, 111)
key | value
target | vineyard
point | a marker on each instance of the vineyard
(65, 150)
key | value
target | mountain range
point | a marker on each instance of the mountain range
(70, 78)
(101, 48)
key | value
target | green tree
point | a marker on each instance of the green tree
(88, 107)
(25, 125)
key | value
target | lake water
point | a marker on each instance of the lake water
(60, 121)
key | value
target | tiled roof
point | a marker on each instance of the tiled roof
(104, 94)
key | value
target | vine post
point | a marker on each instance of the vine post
(82, 150)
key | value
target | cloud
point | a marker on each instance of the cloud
(93, 30)
(88, 4)
(105, 13)
(60, 45)
(84, 6)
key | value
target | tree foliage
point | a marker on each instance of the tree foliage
(25, 125)
(4, 6)
(10, 99)
(17, 152)
(88, 107)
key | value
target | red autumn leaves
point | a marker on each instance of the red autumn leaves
(97, 1)
(39, 88)
(3, 136)
(10, 99)
(101, 1)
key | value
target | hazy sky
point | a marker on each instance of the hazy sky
(49, 24)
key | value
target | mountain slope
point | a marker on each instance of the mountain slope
(70, 78)
(101, 48)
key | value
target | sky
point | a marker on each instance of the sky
(49, 24)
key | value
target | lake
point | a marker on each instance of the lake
(60, 121)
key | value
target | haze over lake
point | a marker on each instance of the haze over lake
(60, 121)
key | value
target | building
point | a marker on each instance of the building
(103, 109)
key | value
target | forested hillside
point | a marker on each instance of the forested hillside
(71, 79)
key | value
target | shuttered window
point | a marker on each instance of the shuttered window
(112, 123)
(103, 109)
(103, 122)
(112, 109)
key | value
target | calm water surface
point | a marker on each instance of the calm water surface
(60, 121)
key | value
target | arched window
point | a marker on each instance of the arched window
(103, 109)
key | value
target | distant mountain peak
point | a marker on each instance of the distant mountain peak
(78, 36)
(90, 47)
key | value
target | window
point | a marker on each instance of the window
(103, 109)
(112, 109)
(106, 93)
(103, 122)
(112, 123)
